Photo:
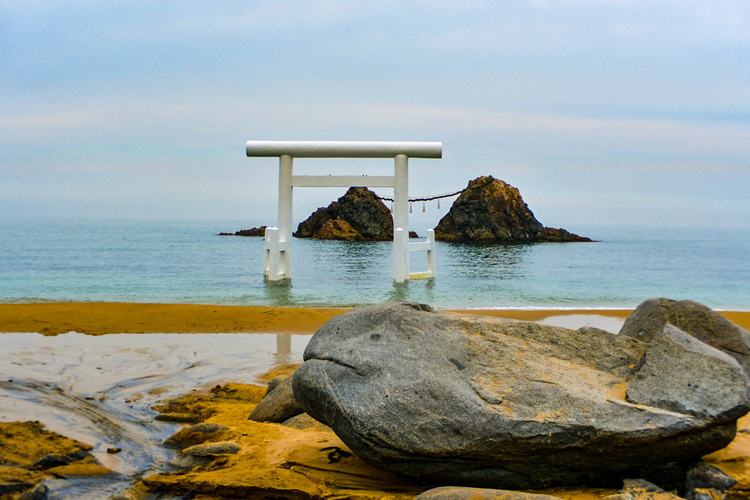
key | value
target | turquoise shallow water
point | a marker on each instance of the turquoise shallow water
(186, 262)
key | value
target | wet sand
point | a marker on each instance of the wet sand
(98, 318)
(100, 390)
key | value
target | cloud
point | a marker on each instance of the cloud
(210, 122)
(582, 97)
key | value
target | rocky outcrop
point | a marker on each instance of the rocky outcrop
(256, 231)
(31, 455)
(338, 229)
(693, 318)
(278, 405)
(358, 215)
(491, 210)
(459, 399)
(464, 493)
(229, 456)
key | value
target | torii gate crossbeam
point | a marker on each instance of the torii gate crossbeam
(278, 251)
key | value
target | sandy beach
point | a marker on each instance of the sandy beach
(101, 389)
(98, 318)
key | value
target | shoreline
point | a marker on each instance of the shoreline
(99, 318)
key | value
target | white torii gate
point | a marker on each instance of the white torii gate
(278, 241)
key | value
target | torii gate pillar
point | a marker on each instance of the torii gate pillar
(401, 218)
(285, 219)
(277, 263)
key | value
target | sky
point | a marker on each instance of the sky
(598, 111)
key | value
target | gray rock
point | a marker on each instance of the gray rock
(179, 418)
(278, 405)
(304, 421)
(212, 449)
(464, 493)
(195, 434)
(39, 492)
(135, 492)
(207, 428)
(707, 494)
(702, 476)
(640, 489)
(682, 374)
(669, 477)
(694, 319)
(273, 384)
(51, 460)
(14, 486)
(458, 399)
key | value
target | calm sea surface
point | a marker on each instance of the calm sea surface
(186, 262)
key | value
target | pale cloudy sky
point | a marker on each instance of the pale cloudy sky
(599, 111)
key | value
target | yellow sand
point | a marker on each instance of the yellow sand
(97, 318)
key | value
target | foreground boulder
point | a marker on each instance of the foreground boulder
(460, 399)
(491, 210)
(359, 215)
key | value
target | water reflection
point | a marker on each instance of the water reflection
(283, 348)
(278, 293)
(422, 291)
(399, 292)
(353, 258)
(489, 260)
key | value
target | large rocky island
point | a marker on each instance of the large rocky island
(491, 210)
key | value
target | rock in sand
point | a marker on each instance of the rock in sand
(692, 318)
(458, 399)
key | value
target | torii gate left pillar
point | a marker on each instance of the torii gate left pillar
(278, 253)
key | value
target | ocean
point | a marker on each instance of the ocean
(187, 262)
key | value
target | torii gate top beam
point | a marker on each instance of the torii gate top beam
(344, 149)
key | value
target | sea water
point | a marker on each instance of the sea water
(188, 262)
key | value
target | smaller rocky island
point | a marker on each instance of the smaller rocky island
(256, 231)
(491, 210)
